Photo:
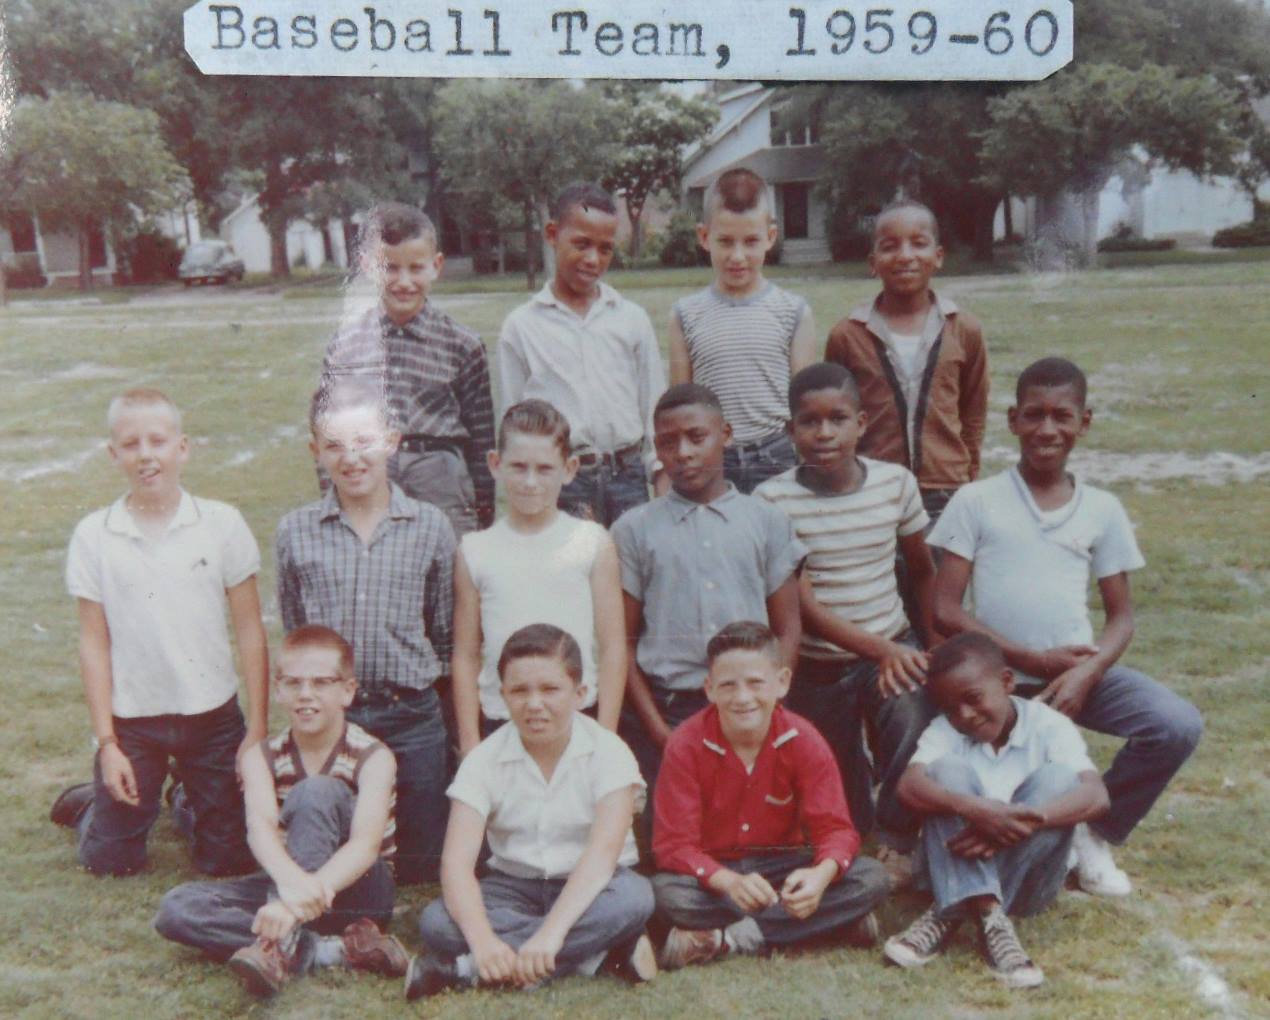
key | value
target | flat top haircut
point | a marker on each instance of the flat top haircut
(393, 223)
(542, 641)
(823, 375)
(739, 191)
(1051, 372)
(349, 393)
(584, 194)
(901, 204)
(536, 418)
(744, 636)
(970, 646)
(140, 396)
(686, 395)
(316, 636)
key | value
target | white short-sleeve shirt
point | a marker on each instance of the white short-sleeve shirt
(165, 602)
(538, 829)
(1040, 736)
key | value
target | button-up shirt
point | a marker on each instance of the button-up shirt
(391, 598)
(710, 809)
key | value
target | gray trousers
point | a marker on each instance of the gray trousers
(685, 903)
(216, 917)
(439, 477)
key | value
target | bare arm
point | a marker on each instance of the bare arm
(784, 618)
(375, 784)
(802, 349)
(637, 687)
(680, 362)
(610, 634)
(495, 959)
(465, 662)
(253, 654)
(94, 670)
(1069, 690)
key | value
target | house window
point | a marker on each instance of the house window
(793, 125)
(795, 198)
(22, 233)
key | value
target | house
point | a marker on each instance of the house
(307, 245)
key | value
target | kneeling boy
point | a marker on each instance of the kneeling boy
(744, 787)
(555, 793)
(319, 801)
(1001, 781)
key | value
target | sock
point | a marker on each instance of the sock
(329, 952)
(465, 968)
(743, 936)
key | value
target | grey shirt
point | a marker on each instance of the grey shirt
(696, 568)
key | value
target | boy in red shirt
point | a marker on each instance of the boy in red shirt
(744, 788)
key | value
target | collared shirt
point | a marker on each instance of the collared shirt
(436, 376)
(709, 808)
(1040, 736)
(164, 602)
(602, 371)
(697, 567)
(392, 599)
(539, 828)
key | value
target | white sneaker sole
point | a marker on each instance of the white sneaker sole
(900, 955)
(1024, 977)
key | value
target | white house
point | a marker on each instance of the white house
(307, 245)
(54, 255)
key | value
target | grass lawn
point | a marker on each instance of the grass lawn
(1179, 379)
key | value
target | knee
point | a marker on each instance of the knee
(1182, 728)
(954, 774)
(870, 877)
(176, 909)
(673, 892)
(637, 892)
(111, 858)
(1049, 781)
(322, 794)
(436, 927)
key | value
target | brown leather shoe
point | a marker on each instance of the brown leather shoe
(368, 948)
(262, 967)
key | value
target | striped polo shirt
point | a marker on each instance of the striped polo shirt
(739, 348)
(852, 540)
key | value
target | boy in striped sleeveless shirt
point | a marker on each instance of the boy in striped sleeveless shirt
(319, 798)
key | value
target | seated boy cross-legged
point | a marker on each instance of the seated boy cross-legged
(744, 787)
(319, 799)
(555, 794)
(1001, 782)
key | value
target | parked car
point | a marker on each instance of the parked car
(210, 262)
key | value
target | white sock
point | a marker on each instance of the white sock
(465, 968)
(743, 936)
(329, 952)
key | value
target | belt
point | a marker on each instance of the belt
(759, 443)
(385, 694)
(418, 443)
(618, 457)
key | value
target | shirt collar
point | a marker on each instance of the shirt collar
(581, 743)
(1018, 737)
(414, 326)
(608, 297)
(1047, 520)
(780, 733)
(864, 311)
(399, 504)
(681, 507)
(119, 519)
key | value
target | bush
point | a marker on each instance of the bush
(1132, 243)
(149, 257)
(1246, 235)
(680, 247)
(24, 272)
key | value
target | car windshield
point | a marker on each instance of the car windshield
(204, 252)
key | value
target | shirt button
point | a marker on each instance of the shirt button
(709, 586)
(745, 827)
(705, 545)
(701, 871)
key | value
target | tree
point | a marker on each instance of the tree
(1252, 166)
(655, 127)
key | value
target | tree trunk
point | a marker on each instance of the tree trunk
(1007, 210)
(634, 210)
(527, 213)
(279, 266)
(85, 258)
(1088, 250)
(350, 242)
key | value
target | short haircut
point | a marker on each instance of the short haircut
(686, 395)
(965, 647)
(744, 636)
(584, 194)
(140, 396)
(739, 191)
(393, 223)
(823, 375)
(1051, 372)
(314, 635)
(344, 394)
(542, 641)
(907, 203)
(536, 418)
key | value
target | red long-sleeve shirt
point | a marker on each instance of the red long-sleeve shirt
(708, 810)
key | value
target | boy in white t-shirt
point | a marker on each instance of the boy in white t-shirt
(153, 573)
(535, 565)
(555, 793)
(1028, 539)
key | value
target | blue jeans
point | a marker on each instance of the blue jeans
(747, 465)
(112, 834)
(1023, 878)
(674, 707)
(410, 723)
(317, 815)
(605, 491)
(516, 908)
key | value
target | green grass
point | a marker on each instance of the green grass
(1177, 356)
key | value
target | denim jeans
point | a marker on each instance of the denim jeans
(410, 723)
(216, 917)
(675, 707)
(605, 491)
(748, 465)
(1023, 878)
(112, 834)
(685, 903)
(516, 908)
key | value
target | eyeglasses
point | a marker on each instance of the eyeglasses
(320, 684)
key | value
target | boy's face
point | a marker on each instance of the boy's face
(738, 243)
(353, 445)
(905, 251)
(541, 699)
(826, 428)
(532, 471)
(147, 445)
(309, 686)
(404, 274)
(745, 686)
(1048, 422)
(976, 699)
(583, 241)
(690, 440)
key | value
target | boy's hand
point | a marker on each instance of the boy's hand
(117, 774)
(1005, 824)
(1058, 660)
(971, 844)
(495, 961)
(803, 888)
(1068, 692)
(750, 892)
(274, 921)
(901, 669)
(306, 896)
(536, 960)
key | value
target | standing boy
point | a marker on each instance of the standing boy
(1028, 539)
(434, 371)
(745, 788)
(377, 568)
(592, 354)
(153, 574)
(320, 822)
(693, 560)
(743, 336)
(1001, 782)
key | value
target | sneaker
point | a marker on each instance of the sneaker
(368, 948)
(898, 866)
(1009, 963)
(921, 941)
(685, 946)
(864, 932)
(262, 967)
(1096, 870)
(634, 962)
(428, 974)
(71, 804)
